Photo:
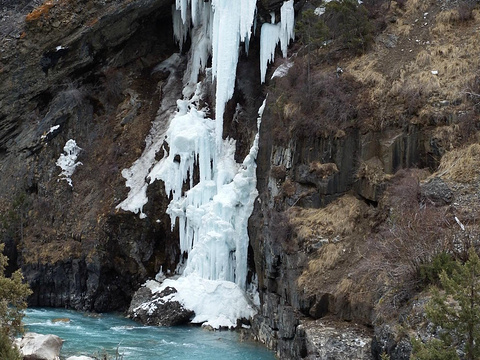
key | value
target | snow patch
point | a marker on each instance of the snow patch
(51, 131)
(282, 70)
(136, 175)
(215, 303)
(68, 161)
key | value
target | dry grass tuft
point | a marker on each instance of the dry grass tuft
(289, 188)
(291, 111)
(423, 58)
(339, 218)
(323, 170)
(372, 171)
(330, 254)
(461, 165)
(447, 17)
(364, 71)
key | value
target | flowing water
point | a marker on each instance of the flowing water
(86, 334)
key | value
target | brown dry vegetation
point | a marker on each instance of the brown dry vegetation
(393, 84)
(461, 165)
(372, 170)
(316, 107)
(373, 255)
(399, 79)
(339, 218)
(323, 170)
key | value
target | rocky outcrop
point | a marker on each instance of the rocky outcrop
(82, 73)
(335, 340)
(35, 346)
(158, 309)
(311, 173)
(386, 341)
(436, 192)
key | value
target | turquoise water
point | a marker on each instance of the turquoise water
(87, 335)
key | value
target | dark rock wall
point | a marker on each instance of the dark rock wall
(75, 249)
(279, 260)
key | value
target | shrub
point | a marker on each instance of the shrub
(429, 273)
(349, 22)
(465, 11)
(328, 106)
(13, 294)
(408, 239)
(278, 172)
(311, 30)
(456, 312)
(7, 350)
(433, 350)
(402, 4)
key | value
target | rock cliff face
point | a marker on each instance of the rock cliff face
(87, 71)
(83, 73)
(281, 257)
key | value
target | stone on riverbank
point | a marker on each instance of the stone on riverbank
(35, 346)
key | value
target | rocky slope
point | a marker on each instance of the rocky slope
(328, 193)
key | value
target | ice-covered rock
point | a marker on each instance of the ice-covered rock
(158, 308)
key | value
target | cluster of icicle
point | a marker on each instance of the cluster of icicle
(217, 28)
(213, 213)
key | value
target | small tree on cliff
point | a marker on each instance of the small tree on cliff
(13, 295)
(311, 32)
(457, 312)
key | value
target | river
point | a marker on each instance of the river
(86, 334)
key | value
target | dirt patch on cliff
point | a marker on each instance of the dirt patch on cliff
(422, 65)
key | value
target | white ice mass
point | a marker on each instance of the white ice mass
(272, 34)
(68, 160)
(212, 215)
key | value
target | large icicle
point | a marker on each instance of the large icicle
(231, 24)
(272, 34)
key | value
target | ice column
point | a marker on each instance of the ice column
(231, 23)
(272, 34)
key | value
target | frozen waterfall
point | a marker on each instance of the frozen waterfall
(212, 215)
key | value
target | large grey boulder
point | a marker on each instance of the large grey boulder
(335, 340)
(158, 309)
(35, 346)
(436, 192)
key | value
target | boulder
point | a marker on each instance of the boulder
(388, 341)
(159, 309)
(336, 340)
(35, 346)
(436, 192)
